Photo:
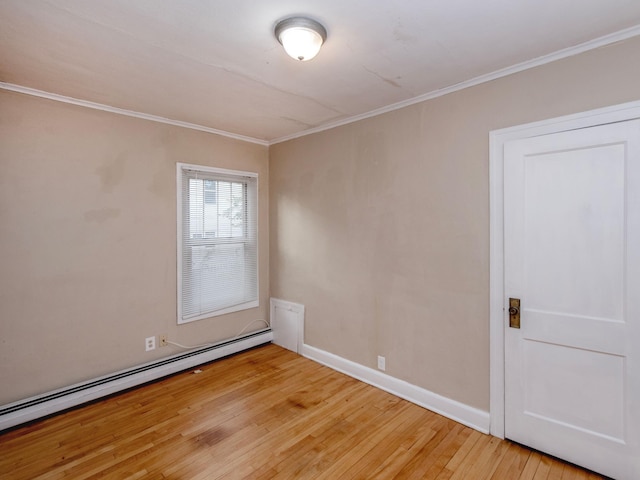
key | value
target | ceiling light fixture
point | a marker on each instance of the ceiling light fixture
(301, 37)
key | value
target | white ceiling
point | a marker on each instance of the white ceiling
(217, 64)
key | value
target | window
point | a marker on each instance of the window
(210, 189)
(217, 241)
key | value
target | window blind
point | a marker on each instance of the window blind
(217, 251)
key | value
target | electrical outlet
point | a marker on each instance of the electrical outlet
(162, 340)
(381, 363)
(149, 343)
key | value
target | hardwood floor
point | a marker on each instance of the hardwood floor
(264, 414)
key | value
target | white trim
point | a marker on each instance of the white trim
(497, 319)
(74, 399)
(225, 311)
(179, 210)
(536, 62)
(460, 412)
(222, 171)
(496, 287)
(128, 113)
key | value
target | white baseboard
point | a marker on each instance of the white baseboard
(464, 414)
(82, 394)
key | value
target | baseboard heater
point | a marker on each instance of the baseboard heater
(23, 411)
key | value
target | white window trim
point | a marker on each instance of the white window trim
(180, 167)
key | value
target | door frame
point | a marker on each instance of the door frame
(497, 316)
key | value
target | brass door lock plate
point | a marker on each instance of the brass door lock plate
(514, 312)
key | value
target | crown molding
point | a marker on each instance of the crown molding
(129, 113)
(536, 62)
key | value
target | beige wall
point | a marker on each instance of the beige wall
(381, 227)
(88, 241)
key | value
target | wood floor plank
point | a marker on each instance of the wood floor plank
(264, 414)
(481, 460)
(291, 426)
(555, 472)
(430, 461)
(569, 473)
(542, 472)
(531, 466)
(325, 438)
(367, 436)
(519, 457)
(386, 440)
(407, 449)
(459, 457)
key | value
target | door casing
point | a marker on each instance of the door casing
(497, 317)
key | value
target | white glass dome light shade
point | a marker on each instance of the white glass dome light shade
(301, 43)
(301, 37)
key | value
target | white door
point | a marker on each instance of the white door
(572, 256)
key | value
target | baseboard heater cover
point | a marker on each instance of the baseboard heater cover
(23, 411)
